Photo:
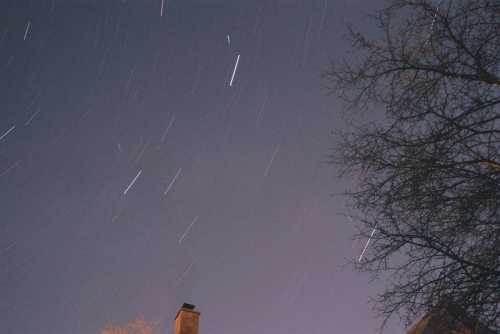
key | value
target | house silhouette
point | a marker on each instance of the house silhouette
(448, 318)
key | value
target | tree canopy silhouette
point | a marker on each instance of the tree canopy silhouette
(137, 326)
(429, 175)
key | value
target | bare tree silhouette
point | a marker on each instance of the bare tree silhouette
(429, 181)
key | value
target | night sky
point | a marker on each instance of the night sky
(140, 168)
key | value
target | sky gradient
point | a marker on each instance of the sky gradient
(137, 172)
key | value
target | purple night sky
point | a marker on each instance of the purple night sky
(140, 168)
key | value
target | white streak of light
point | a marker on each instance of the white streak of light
(132, 183)
(32, 117)
(432, 28)
(26, 31)
(263, 105)
(142, 152)
(168, 128)
(14, 165)
(172, 182)
(184, 273)
(187, 230)
(228, 40)
(366, 246)
(8, 131)
(272, 159)
(161, 10)
(432, 24)
(234, 70)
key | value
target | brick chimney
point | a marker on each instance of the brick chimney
(186, 320)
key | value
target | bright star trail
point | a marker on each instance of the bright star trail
(32, 117)
(172, 182)
(272, 160)
(132, 182)
(366, 246)
(234, 70)
(165, 133)
(7, 132)
(187, 230)
(28, 25)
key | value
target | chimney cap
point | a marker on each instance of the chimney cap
(188, 306)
